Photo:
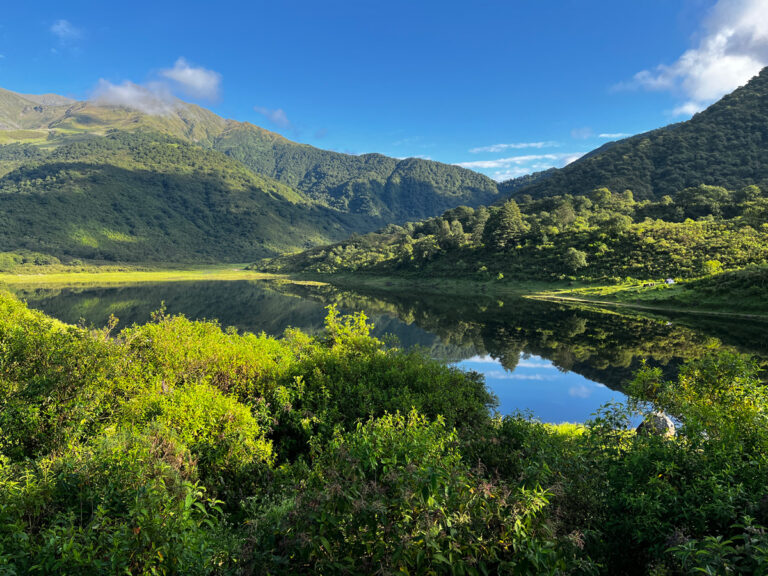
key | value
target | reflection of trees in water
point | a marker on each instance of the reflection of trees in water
(251, 306)
(602, 346)
(246, 305)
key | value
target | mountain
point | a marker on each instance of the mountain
(684, 201)
(725, 145)
(135, 197)
(389, 189)
(188, 202)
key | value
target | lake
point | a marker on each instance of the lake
(559, 362)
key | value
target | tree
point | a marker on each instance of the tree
(505, 227)
(481, 218)
(575, 259)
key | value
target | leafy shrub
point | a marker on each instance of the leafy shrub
(393, 496)
(227, 440)
(122, 503)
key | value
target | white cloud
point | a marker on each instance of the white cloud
(614, 135)
(582, 133)
(534, 364)
(506, 162)
(514, 146)
(580, 391)
(516, 166)
(688, 108)
(487, 359)
(65, 31)
(195, 82)
(501, 375)
(153, 99)
(570, 158)
(277, 116)
(732, 47)
(159, 97)
(502, 175)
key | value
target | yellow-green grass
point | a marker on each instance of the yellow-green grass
(658, 297)
(223, 273)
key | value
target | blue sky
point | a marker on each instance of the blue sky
(501, 87)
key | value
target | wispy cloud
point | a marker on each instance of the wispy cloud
(509, 161)
(582, 133)
(534, 364)
(732, 47)
(580, 391)
(194, 81)
(154, 99)
(613, 135)
(65, 31)
(158, 97)
(276, 116)
(514, 146)
(516, 166)
(500, 375)
(571, 158)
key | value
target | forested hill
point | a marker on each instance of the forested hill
(390, 189)
(725, 145)
(379, 188)
(135, 197)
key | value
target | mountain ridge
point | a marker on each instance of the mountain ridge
(669, 159)
(324, 195)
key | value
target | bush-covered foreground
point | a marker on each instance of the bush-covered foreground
(181, 448)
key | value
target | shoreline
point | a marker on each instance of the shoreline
(560, 292)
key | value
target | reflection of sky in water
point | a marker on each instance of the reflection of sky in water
(537, 385)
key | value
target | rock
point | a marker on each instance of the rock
(657, 424)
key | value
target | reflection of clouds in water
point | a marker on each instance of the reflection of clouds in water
(528, 363)
(532, 364)
(499, 375)
(580, 391)
(484, 359)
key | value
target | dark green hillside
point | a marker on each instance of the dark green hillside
(602, 236)
(139, 197)
(389, 189)
(725, 145)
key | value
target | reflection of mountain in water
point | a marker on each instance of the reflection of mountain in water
(251, 306)
(603, 346)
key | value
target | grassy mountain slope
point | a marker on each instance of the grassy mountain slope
(51, 120)
(385, 189)
(140, 197)
(725, 145)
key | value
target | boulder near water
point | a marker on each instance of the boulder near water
(657, 424)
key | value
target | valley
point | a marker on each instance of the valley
(227, 352)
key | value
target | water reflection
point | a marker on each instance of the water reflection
(561, 362)
(538, 386)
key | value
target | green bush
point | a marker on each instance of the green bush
(393, 496)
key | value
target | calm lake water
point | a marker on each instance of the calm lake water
(559, 362)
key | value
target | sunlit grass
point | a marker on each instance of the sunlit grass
(228, 273)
